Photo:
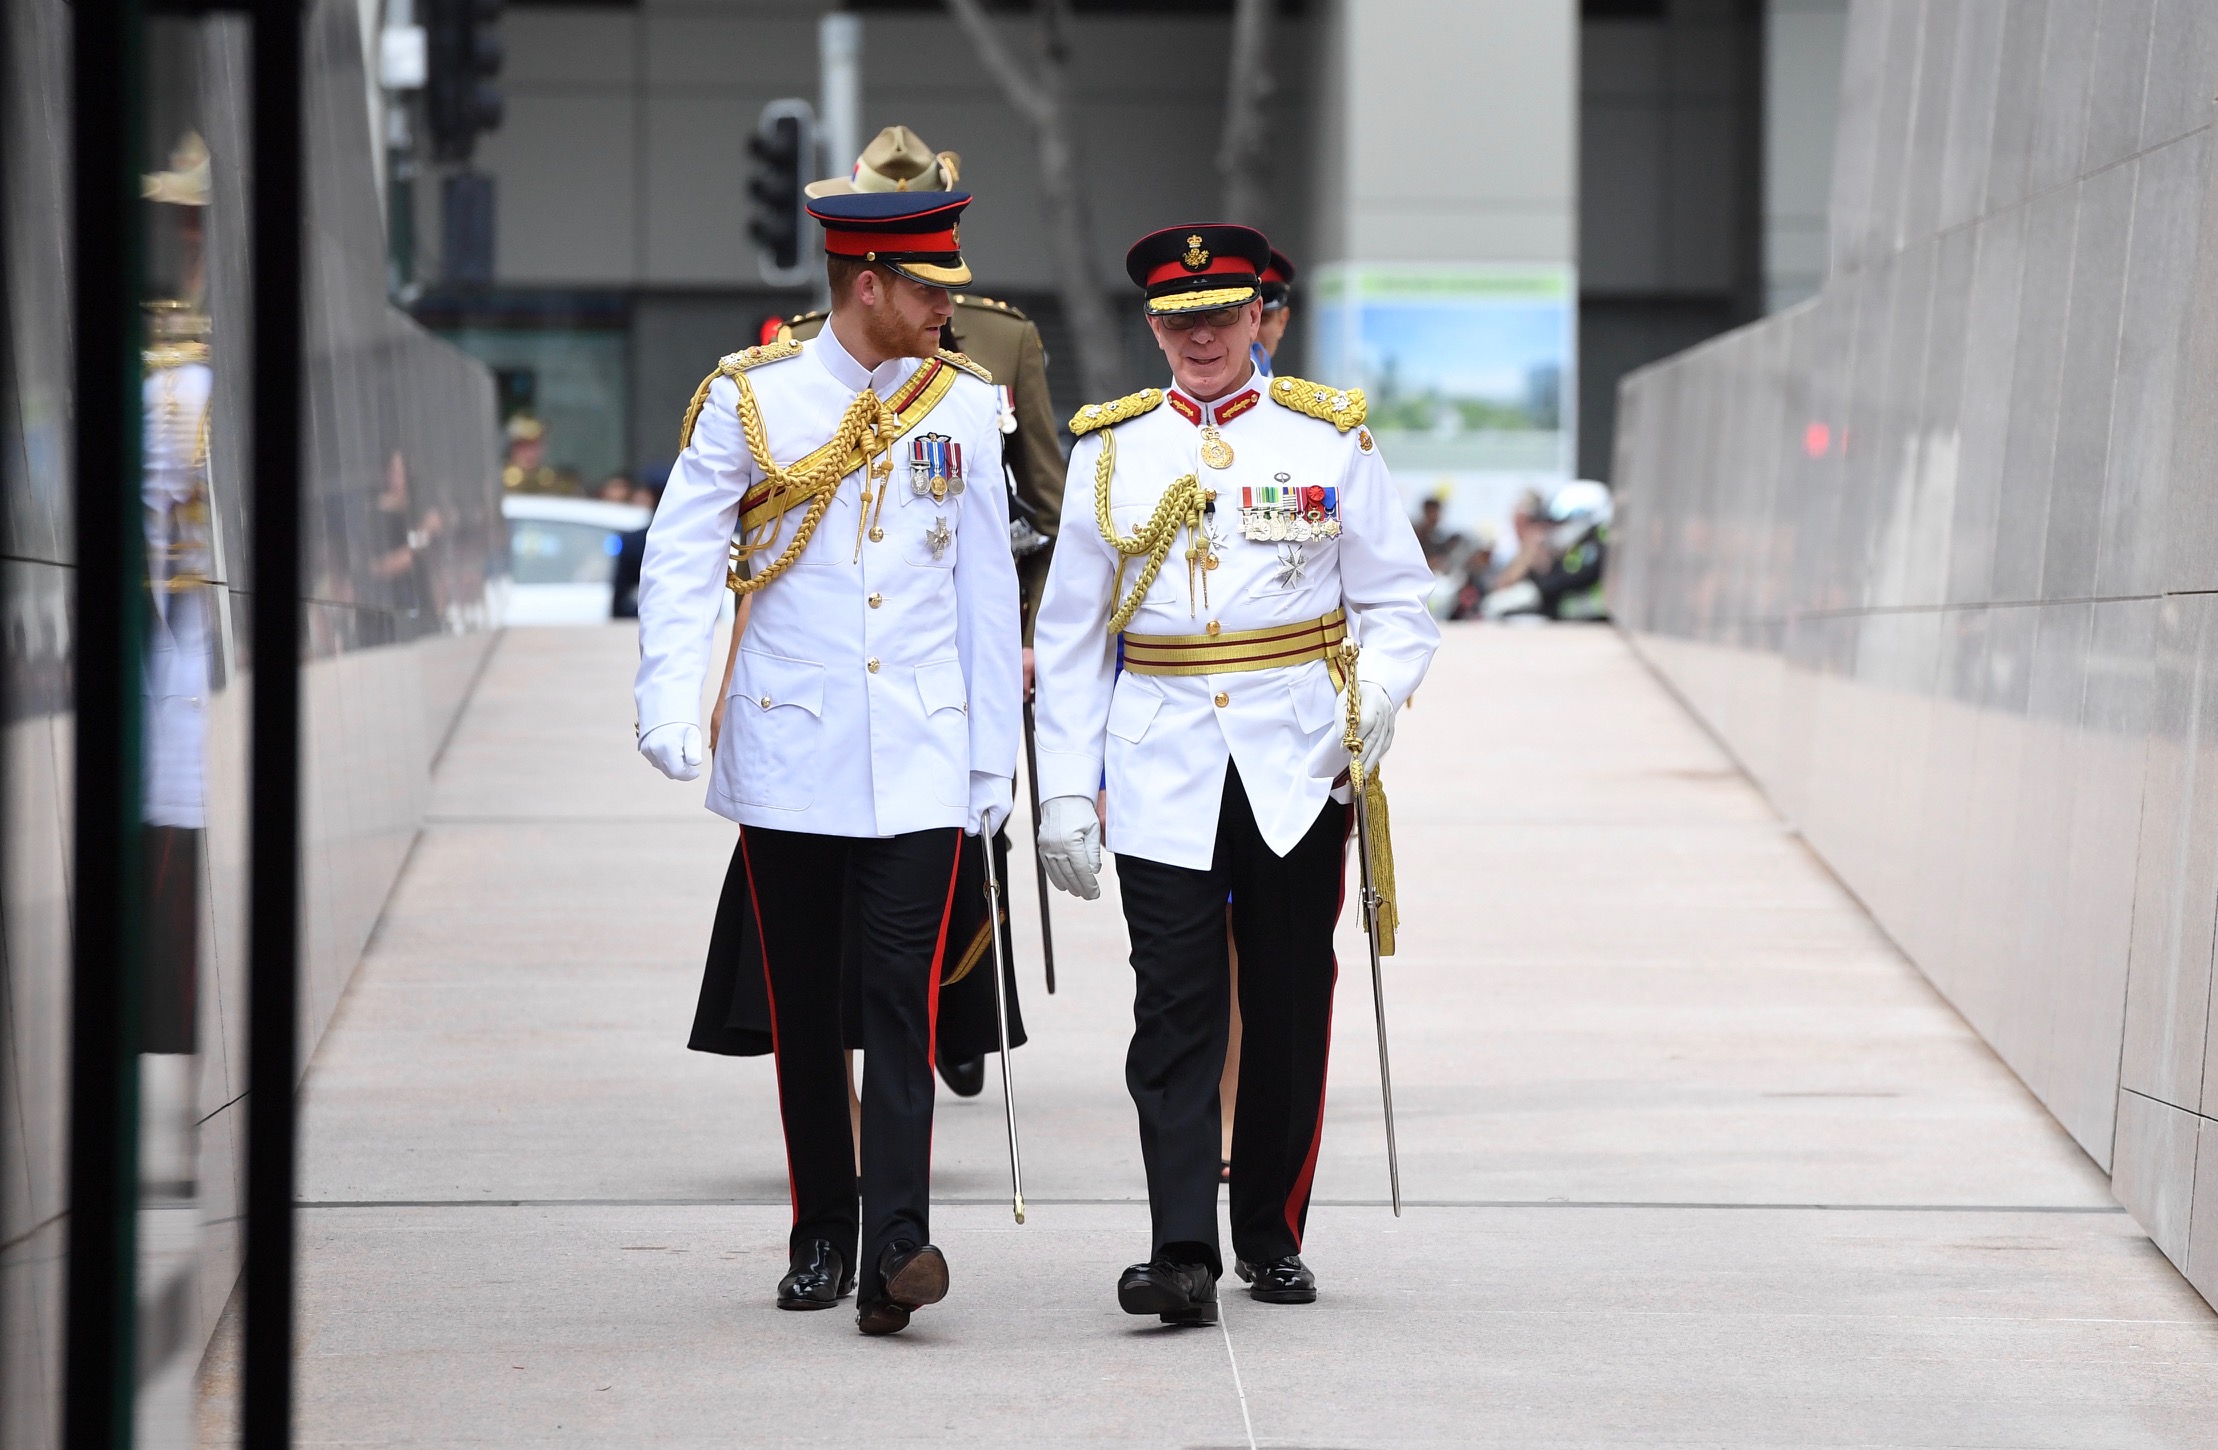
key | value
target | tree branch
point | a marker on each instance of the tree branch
(1041, 100)
(1031, 101)
(1243, 159)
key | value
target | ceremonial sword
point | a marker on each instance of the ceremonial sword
(1039, 862)
(1001, 1023)
(1353, 740)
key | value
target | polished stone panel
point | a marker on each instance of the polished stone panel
(1996, 713)
(2177, 882)
(2183, 67)
(2159, 274)
(1971, 110)
(2118, 81)
(1991, 333)
(2090, 368)
(2154, 1171)
(2036, 385)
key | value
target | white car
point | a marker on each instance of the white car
(562, 556)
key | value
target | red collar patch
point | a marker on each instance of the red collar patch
(1196, 414)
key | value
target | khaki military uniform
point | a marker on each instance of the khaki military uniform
(1006, 343)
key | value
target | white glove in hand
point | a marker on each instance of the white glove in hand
(674, 749)
(1375, 722)
(1070, 844)
(989, 802)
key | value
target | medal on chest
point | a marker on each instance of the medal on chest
(1214, 450)
(936, 467)
(1283, 512)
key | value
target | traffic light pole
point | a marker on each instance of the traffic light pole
(784, 150)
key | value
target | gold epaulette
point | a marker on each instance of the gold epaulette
(965, 362)
(990, 304)
(1108, 415)
(1342, 408)
(757, 356)
(732, 364)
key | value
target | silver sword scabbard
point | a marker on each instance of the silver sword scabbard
(1353, 740)
(1001, 1022)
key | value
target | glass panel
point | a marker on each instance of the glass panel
(182, 677)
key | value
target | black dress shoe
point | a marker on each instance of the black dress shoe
(964, 1079)
(914, 1277)
(818, 1278)
(1175, 1293)
(1281, 1281)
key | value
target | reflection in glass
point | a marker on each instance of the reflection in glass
(176, 395)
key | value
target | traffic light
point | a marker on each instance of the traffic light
(784, 151)
(464, 44)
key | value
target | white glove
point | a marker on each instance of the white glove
(674, 749)
(1070, 844)
(989, 802)
(1374, 721)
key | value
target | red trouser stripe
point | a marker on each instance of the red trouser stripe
(770, 989)
(1298, 1199)
(939, 956)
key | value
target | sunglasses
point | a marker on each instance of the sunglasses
(1216, 320)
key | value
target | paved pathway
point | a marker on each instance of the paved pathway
(1694, 1158)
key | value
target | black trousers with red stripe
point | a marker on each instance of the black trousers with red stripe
(899, 890)
(1283, 911)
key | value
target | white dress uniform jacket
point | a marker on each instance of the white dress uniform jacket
(1164, 740)
(877, 675)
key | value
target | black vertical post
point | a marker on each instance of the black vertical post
(97, 1373)
(273, 946)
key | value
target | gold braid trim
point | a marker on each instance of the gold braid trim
(731, 365)
(867, 426)
(1104, 415)
(1180, 508)
(1343, 408)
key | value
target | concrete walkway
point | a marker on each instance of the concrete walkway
(1693, 1157)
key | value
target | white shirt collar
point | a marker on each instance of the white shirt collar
(852, 375)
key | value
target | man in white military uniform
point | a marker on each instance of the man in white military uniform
(1230, 531)
(873, 711)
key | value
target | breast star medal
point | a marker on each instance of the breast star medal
(1292, 564)
(1214, 450)
(939, 536)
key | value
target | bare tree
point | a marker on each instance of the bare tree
(1243, 159)
(1041, 95)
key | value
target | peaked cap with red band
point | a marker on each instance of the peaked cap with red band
(914, 233)
(1277, 281)
(1197, 268)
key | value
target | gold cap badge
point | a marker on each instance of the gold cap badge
(1197, 255)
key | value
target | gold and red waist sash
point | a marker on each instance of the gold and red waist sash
(1234, 651)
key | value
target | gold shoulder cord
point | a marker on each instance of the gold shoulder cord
(1180, 508)
(863, 424)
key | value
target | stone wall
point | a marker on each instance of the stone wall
(1932, 553)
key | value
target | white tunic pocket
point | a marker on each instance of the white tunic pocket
(1133, 707)
(929, 532)
(1316, 703)
(778, 706)
(944, 748)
